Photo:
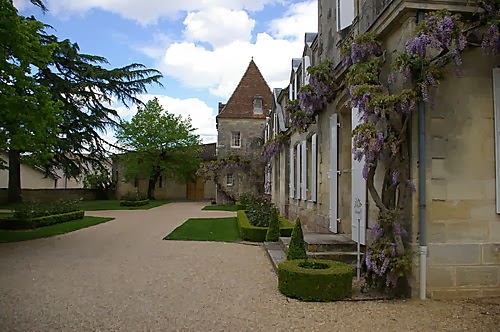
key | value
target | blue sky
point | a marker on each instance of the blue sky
(201, 47)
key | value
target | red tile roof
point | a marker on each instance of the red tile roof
(240, 105)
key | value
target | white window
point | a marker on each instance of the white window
(257, 105)
(304, 183)
(235, 139)
(292, 172)
(314, 167)
(496, 98)
(305, 73)
(298, 174)
(229, 180)
(345, 13)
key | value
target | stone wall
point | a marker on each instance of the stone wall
(52, 195)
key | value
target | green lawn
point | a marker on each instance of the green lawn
(233, 207)
(207, 229)
(15, 236)
(115, 205)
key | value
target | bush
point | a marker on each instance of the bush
(252, 233)
(13, 223)
(259, 211)
(30, 210)
(315, 280)
(297, 247)
(273, 231)
(134, 197)
(134, 202)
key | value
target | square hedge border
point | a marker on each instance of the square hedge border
(248, 232)
(12, 223)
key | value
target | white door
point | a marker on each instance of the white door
(334, 180)
(358, 188)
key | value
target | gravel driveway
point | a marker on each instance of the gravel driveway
(121, 276)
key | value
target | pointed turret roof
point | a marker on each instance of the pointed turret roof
(240, 104)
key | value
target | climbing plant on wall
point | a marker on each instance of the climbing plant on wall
(381, 140)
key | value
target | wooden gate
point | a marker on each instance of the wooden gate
(195, 189)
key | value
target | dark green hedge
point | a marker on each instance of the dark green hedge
(12, 223)
(252, 233)
(134, 203)
(308, 284)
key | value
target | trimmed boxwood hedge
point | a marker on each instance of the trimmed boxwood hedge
(313, 283)
(12, 223)
(134, 203)
(252, 233)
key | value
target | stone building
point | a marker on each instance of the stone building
(314, 176)
(240, 128)
(167, 188)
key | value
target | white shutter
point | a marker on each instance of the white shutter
(304, 170)
(496, 98)
(290, 91)
(358, 191)
(297, 173)
(292, 173)
(307, 64)
(295, 86)
(334, 181)
(314, 167)
(275, 124)
(345, 13)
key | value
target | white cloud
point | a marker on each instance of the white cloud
(21, 4)
(202, 116)
(218, 26)
(299, 18)
(220, 69)
(149, 11)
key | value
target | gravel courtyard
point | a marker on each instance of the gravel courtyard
(121, 276)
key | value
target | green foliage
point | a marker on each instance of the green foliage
(42, 232)
(160, 143)
(134, 203)
(104, 205)
(33, 210)
(206, 229)
(273, 231)
(315, 280)
(13, 223)
(259, 212)
(297, 247)
(232, 207)
(252, 233)
(100, 180)
(130, 196)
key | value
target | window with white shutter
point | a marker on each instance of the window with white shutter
(496, 99)
(304, 183)
(314, 167)
(345, 13)
(298, 173)
(292, 172)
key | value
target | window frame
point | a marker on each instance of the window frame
(233, 139)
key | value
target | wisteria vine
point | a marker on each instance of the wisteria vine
(381, 138)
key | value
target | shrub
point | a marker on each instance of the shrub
(315, 280)
(32, 210)
(273, 231)
(246, 199)
(134, 197)
(249, 232)
(259, 211)
(297, 247)
(134, 202)
(13, 223)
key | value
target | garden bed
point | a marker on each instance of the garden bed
(315, 279)
(12, 223)
(252, 233)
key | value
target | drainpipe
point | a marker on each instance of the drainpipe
(422, 227)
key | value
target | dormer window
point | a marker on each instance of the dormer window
(257, 105)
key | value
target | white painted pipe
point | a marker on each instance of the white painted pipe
(423, 272)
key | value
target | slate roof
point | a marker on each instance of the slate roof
(240, 104)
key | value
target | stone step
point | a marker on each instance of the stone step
(275, 253)
(323, 242)
(339, 256)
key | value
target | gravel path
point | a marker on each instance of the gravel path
(121, 276)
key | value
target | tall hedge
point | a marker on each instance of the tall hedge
(273, 232)
(297, 247)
